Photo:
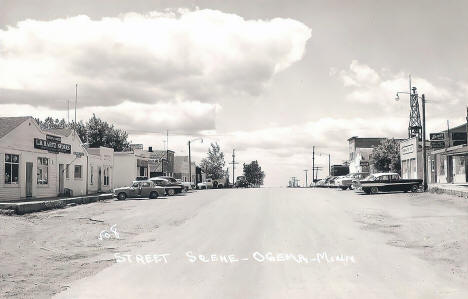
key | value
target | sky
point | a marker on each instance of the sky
(270, 79)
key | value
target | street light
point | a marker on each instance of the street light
(190, 158)
(423, 103)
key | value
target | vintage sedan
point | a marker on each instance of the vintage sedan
(387, 182)
(145, 189)
(170, 184)
(347, 181)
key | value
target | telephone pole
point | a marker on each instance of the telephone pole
(306, 177)
(233, 166)
(313, 163)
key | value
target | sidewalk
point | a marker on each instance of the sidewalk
(21, 207)
(460, 190)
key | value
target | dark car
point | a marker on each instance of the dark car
(170, 184)
(146, 189)
(388, 182)
(241, 182)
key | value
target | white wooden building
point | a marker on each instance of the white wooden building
(35, 163)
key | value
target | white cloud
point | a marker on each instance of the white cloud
(181, 116)
(199, 55)
(366, 85)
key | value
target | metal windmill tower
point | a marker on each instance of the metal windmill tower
(414, 126)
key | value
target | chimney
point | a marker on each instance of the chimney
(150, 149)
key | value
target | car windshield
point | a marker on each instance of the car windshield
(370, 178)
(135, 184)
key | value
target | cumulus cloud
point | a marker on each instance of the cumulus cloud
(369, 86)
(199, 55)
(181, 116)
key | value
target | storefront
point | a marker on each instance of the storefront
(411, 158)
(449, 165)
(36, 164)
(100, 169)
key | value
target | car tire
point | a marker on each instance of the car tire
(414, 188)
(374, 190)
(122, 196)
(366, 190)
(343, 188)
(220, 186)
(171, 192)
(153, 195)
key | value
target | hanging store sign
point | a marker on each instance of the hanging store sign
(52, 146)
(437, 144)
(437, 136)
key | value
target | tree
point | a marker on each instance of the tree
(253, 173)
(386, 156)
(95, 132)
(213, 164)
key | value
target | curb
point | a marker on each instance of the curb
(22, 208)
(448, 191)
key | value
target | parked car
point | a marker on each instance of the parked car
(187, 185)
(347, 181)
(241, 182)
(331, 182)
(170, 184)
(139, 189)
(388, 182)
(207, 184)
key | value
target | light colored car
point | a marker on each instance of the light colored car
(187, 185)
(346, 182)
(208, 184)
(146, 189)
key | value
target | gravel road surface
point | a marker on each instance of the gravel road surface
(249, 243)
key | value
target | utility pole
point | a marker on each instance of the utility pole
(68, 111)
(306, 178)
(189, 163)
(329, 165)
(313, 163)
(423, 101)
(466, 124)
(76, 100)
(233, 165)
(167, 152)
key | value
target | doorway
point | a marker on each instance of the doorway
(29, 170)
(61, 178)
(99, 179)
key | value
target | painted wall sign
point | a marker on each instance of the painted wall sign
(78, 154)
(52, 146)
(407, 149)
(53, 138)
(437, 136)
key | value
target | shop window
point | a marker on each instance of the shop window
(42, 171)
(92, 175)
(11, 168)
(78, 172)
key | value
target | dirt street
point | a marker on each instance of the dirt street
(250, 243)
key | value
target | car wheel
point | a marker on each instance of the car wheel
(374, 190)
(366, 190)
(344, 188)
(153, 195)
(122, 196)
(414, 188)
(171, 192)
(220, 186)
